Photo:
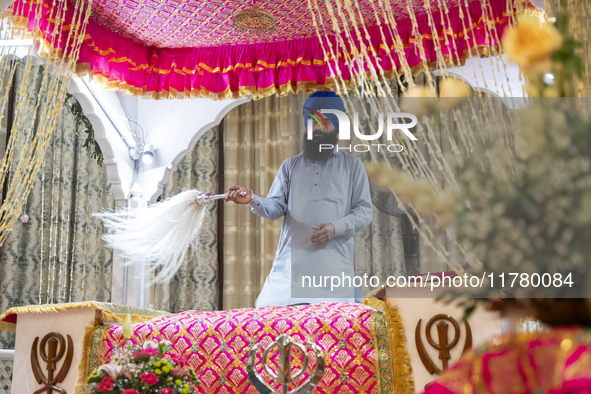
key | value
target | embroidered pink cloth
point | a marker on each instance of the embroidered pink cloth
(259, 69)
(353, 337)
(557, 361)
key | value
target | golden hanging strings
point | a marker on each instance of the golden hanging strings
(53, 222)
(360, 66)
(37, 132)
(412, 157)
(42, 231)
(65, 214)
(351, 67)
(98, 227)
(75, 138)
(87, 224)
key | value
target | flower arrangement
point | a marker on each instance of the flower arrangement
(146, 369)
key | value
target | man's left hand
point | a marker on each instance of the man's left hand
(324, 234)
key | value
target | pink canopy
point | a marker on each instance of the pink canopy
(180, 49)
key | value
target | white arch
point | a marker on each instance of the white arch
(116, 159)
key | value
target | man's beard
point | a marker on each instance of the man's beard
(312, 147)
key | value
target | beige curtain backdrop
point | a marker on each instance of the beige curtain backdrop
(196, 285)
(57, 255)
(257, 140)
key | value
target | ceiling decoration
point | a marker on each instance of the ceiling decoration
(198, 23)
(254, 19)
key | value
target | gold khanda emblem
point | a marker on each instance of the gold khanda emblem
(284, 376)
(444, 346)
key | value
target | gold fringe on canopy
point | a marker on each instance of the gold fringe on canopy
(110, 312)
(91, 333)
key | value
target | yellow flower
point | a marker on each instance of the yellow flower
(531, 44)
(420, 92)
(453, 92)
(418, 100)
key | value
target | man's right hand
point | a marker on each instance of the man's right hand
(233, 194)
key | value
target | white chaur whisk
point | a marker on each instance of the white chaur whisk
(161, 235)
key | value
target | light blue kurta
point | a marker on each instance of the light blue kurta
(307, 193)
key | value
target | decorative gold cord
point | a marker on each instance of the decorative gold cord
(36, 134)
(75, 232)
(87, 224)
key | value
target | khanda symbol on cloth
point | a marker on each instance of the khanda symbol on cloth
(444, 346)
(284, 375)
(52, 349)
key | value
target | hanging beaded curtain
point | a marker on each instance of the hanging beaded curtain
(59, 44)
(54, 253)
(445, 141)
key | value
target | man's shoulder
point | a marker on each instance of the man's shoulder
(288, 164)
(349, 158)
(296, 157)
(293, 159)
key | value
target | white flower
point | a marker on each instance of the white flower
(150, 345)
(112, 370)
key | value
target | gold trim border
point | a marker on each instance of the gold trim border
(401, 366)
(138, 315)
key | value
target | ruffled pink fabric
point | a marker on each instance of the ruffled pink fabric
(275, 68)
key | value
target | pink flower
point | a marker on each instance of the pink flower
(149, 349)
(130, 391)
(25, 218)
(178, 371)
(144, 354)
(166, 391)
(149, 378)
(112, 370)
(178, 359)
(106, 384)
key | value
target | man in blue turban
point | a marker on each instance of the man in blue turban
(324, 199)
(325, 127)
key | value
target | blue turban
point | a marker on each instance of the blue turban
(323, 100)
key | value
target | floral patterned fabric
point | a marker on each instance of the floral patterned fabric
(353, 337)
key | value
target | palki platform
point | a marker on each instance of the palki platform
(381, 346)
